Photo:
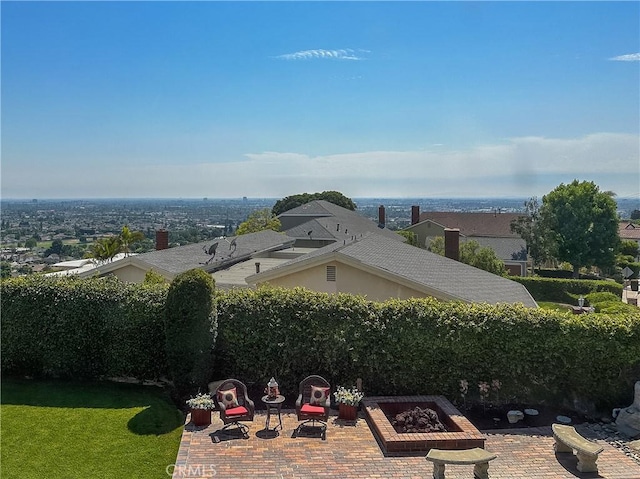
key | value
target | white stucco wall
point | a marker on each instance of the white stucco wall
(130, 274)
(348, 280)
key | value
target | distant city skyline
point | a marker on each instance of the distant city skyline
(269, 99)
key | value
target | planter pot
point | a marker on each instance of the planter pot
(201, 417)
(346, 412)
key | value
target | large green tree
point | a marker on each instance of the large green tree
(259, 220)
(56, 248)
(293, 201)
(532, 230)
(582, 222)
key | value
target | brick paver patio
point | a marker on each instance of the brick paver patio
(351, 452)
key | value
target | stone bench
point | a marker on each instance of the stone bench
(567, 439)
(476, 456)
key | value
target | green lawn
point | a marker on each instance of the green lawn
(58, 429)
(554, 306)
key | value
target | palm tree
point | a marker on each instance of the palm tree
(104, 249)
(127, 237)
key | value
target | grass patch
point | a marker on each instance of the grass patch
(563, 308)
(58, 429)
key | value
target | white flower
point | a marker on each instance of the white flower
(201, 401)
(351, 397)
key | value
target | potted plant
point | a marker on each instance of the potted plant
(201, 406)
(348, 401)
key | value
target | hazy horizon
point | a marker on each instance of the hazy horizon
(269, 99)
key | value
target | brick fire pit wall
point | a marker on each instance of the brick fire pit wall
(462, 434)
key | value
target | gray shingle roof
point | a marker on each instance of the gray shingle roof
(315, 227)
(451, 278)
(182, 258)
(330, 221)
(505, 248)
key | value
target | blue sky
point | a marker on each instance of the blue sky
(269, 99)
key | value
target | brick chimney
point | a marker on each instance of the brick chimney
(452, 243)
(415, 214)
(162, 240)
(381, 216)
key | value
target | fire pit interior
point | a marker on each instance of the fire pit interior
(417, 419)
(383, 411)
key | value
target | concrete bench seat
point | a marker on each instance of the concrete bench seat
(567, 439)
(476, 456)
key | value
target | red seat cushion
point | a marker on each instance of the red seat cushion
(309, 409)
(237, 411)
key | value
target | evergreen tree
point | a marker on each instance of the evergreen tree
(582, 222)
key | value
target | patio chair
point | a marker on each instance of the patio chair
(313, 403)
(234, 405)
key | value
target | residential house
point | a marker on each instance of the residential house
(491, 230)
(630, 231)
(381, 268)
(372, 261)
(217, 257)
(319, 223)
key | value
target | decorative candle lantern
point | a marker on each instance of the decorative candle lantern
(272, 389)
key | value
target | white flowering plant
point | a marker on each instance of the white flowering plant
(351, 397)
(201, 401)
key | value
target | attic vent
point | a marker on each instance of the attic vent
(331, 273)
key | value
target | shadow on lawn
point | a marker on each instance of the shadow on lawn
(159, 415)
(155, 420)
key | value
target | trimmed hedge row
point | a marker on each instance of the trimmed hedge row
(96, 328)
(66, 327)
(565, 290)
(422, 346)
(190, 330)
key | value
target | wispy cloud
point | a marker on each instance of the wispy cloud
(342, 54)
(631, 57)
(519, 167)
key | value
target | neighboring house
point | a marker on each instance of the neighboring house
(629, 231)
(319, 223)
(78, 266)
(217, 257)
(381, 268)
(491, 230)
(377, 264)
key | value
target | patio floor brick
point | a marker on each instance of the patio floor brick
(352, 452)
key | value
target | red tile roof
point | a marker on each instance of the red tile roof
(474, 224)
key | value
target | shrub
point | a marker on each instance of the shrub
(190, 327)
(422, 346)
(103, 327)
(594, 298)
(565, 290)
(67, 327)
(614, 307)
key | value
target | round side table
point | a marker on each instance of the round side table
(273, 404)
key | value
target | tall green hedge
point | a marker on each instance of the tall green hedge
(190, 330)
(66, 327)
(422, 346)
(565, 290)
(95, 328)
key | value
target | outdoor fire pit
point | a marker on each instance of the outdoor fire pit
(382, 410)
(418, 419)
